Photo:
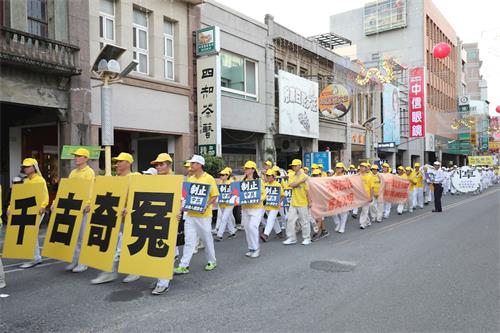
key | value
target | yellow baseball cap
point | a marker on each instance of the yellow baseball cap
(316, 172)
(374, 167)
(352, 166)
(314, 166)
(268, 163)
(305, 168)
(296, 162)
(386, 165)
(408, 168)
(270, 172)
(417, 165)
(124, 157)
(27, 162)
(162, 157)
(250, 165)
(340, 165)
(224, 171)
(187, 164)
(365, 164)
(321, 166)
(81, 152)
(400, 167)
(276, 168)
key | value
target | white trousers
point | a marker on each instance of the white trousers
(340, 220)
(194, 228)
(78, 246)
(419, 197)
(250, 219)
(355, 211)
(387, 209)
(428, 194)
(272, 223)
(376, 210)
(38, 256)
(227, 220)
(364, 218)
(300, 214)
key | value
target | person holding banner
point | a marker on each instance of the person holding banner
(367, 178)
(123, 165)
(85, 172)
(340, 219)
(273, 190)
(30, 168)
(376, 206)
(285, 205)
(299, 206)
(319, 223)
(322, 170)
(418, 199)
(199, 224)
(252, 213)
(226, 208)
(386, 168)
(352, 170)
(411, 178)
(400, 171)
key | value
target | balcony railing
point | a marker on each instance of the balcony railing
(37, 53)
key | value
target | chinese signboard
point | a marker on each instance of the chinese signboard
(209, 112)
(319, 157)
(288, 197)
(247, 191)
(480, 160)
(416, 102)
(225, 194)
(67, 152)
(390, 103)
(196, 196)
(298, 106)
(466, 179)
(207, 41)
(273, 196)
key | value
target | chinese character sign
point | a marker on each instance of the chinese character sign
(394, 189)
(209, 113)
(195, 196)
(247, 191)
(24, 221)
(103, 223)
(416, 101)
(273, 196)
(287, 198)
(66, 219)
(225, 194)
(466, 179)
(151, 223)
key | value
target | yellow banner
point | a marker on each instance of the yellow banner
(23, 223)
(150, 230)
(480, 160)
(104, 222)
(66, 219)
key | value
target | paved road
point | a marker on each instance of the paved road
(416, 272)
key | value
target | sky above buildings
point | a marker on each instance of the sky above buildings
(473, 21)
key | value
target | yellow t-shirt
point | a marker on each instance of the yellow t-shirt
(324, 174)
(367, 182)
(37, 179)
(205, 178)
(86, 174)
(419, 178)
(282, 194)
(375, 183)
(299, 193)
(262, 197)
(226, 182)
(412, 179)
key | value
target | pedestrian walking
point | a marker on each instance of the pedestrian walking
(272, 211)
(366, 177)
(226, 209)
(340, 219)
(376, 206)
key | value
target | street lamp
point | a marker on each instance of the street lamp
(107, 68)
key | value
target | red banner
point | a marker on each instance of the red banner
(334, 195)
(416, 102)
(393, 189)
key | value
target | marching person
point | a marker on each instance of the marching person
(226, 210)
(321, 168)
(418, 200)
(251, 214)
(123, 166)
(439, 178)
(272, 211)
(400, 171)
(376, 207)
(30, 168)
(340, 219)
(199, 225)
(366, 177)
(320, 228)
(267, 165)
(386, 169)
(411, 178)
(299, 206)
(85, 172)
(352, 170)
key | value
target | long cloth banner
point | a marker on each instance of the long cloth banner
(393, 189)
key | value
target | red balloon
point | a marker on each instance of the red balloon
(498, 109)
(441, 50)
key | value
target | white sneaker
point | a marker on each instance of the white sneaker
(214, 231)
(131, 278)
(105, 277)
(79, 268)
(306, 241)
(289, 241)
(248, 254)
(30, 264)
(255, 254)
(70, 267)
(337, 228)
(159, 290)
(195, 250)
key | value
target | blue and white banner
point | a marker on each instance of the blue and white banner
(195, 196)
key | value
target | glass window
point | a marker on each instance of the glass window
(37, 17)
(107, 7)
(168, 54)
(140, 18)
(140, 41)
(107, 22)
(238, 76)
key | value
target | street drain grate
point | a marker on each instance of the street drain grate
(333, 266)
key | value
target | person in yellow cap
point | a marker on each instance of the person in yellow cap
(85, 172)
(30, 168)
(377, 206)
(400, 171)
(314, 166)
(199, 225)
(271, 223)
(123, 167)
(226, 209)
(187, 169)
(386, 169)
(322, 169)
(418, 199)
(267, 165)
(306, 170)
(352, 170)
(299, 206)
(163, 164)
(340, 219)
(411, 177)
(366, 177)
